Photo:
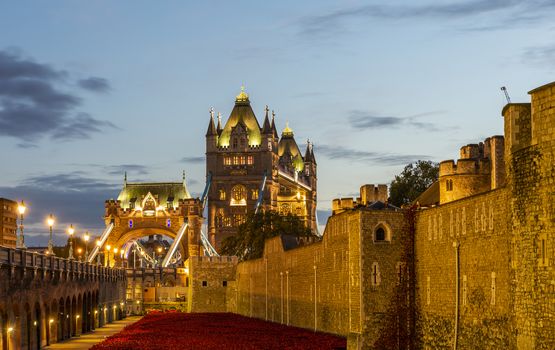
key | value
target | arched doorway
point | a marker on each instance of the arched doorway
(37, 326)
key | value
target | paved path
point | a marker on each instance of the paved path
(86, 341)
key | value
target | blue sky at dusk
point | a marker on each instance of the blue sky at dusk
(90, 89)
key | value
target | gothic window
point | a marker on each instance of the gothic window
(382, 233)
(449, 185)
(250, 160)
(227, 221)
(238, 195)
(235, 142)
(285, 209)
(235, 160)
(149, 205)
(222, 195)
(227, 160)
(254, 194)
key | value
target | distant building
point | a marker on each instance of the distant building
(8, 222)
(251, 166)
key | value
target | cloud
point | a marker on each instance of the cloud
(130, 168)
(504, 10)
(95, 84)
(365, 120)
(33, 105)
(386, 159)
(194, 160)
(540, 55)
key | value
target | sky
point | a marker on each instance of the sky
(91, 89)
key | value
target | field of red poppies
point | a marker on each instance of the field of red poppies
(175, 330)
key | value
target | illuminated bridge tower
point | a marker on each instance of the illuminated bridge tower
(251, 169)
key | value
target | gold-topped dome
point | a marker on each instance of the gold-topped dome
(243, 96)
(287, 131)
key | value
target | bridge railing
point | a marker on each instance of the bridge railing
(22, 258)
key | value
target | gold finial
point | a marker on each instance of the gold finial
(287, 130)
(243, 96)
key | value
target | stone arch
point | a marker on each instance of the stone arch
(3, 329)
(26, 326)
(14, 329)
(37, 335)
(73, 318)
(382, 232)
(53, 323)
(80, 315)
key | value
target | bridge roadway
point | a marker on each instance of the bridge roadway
(45, 299)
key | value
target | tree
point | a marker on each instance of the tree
(413, 180)
(248, 243)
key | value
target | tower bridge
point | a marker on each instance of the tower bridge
(45, 299)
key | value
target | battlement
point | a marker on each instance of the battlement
(369, 194)
(465, 166)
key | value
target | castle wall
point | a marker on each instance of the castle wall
(531, 178)
(479, 225)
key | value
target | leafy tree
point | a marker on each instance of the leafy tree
(413, 180)
(248, 243)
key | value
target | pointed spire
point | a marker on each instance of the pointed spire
(184, 182)
(274, 124)
(211, 129)
(219, 128)
(308, 153)
(266, 128)
(125, 179)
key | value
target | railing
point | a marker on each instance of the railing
(21, 258)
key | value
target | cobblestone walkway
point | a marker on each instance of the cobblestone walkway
(86, 341)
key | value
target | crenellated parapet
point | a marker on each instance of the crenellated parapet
(370, 195)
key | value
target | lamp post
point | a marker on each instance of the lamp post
(21, 239)
(70, 231)
(86, 239)
(159, 255)
(98, 244)
(50, 222)
(108, 255)
(115, 252)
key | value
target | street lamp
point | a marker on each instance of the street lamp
(70, 231)
(21, 241)
(98, 244)
(86, 239)
(108, 255)
(160, 254)
(50, 222)
(115, 252)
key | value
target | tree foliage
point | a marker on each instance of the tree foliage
(248, 243)
(413, 180)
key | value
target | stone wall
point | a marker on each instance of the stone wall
(209, 279)
(478, 227)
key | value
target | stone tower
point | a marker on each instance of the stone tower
(250, 167)
(530, 155)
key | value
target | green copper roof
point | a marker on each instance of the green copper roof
(242, 112)
(164, 192)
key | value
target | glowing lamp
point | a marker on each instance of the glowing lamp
(50, 220)
(115, 250)
(71, 230)
(21, 208)
(87, 236)
(10, 329)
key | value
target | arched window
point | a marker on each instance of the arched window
(382, 233)
(222, 195)
(239, 195)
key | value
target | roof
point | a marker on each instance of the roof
(288, 145)
(430, 196)
(378, 205)
(242, 112)
(164, 192)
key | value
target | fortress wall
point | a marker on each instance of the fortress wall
(480, 225)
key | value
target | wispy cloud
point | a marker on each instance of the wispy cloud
(504, 10)
(129, 168)
(386, 159)
(95, 84)
(540, 55)
(366, 120)
(33, 103)
(193, 159)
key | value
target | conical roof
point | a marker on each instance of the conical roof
(242, 112)
(211, 128)
(288, 146)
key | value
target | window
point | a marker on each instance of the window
(250, 160)
(382, 233)
(493, 277)
(132, 203)
(254, 194)
(222, 195)
(464, 291)
(235, 143)
(130, 223)
(239, 195)
(204, 283)
(227, 160)
(238, 219)
(376, 279)
(449, 185)
(224, 283)
(285, 209)
(168, 223)
(235, 160)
